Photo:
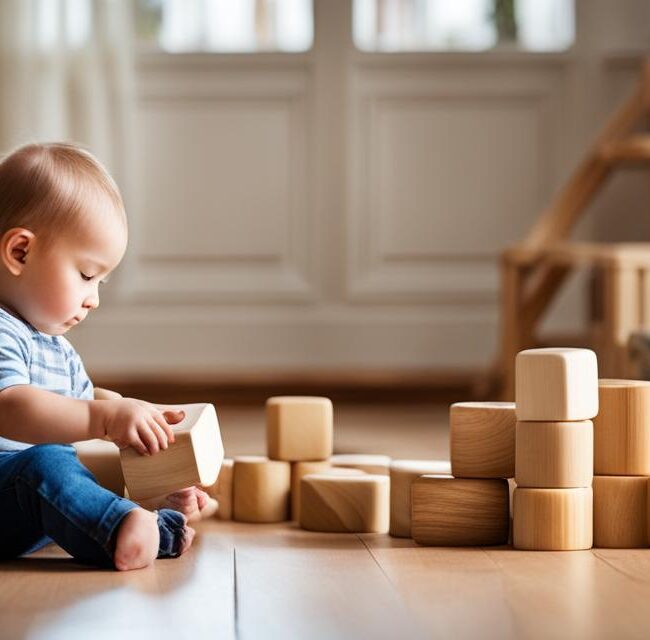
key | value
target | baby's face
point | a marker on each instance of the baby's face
(60, 283)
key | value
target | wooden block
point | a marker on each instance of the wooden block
(402, 475)
(260, 489)
(552, 519)
(622, 428)
(345, 504)
(459, 512)
(556, 384)
(300, 469)
(555, 454)
(620, 512)
(299, 428)
(222, 490)
(193, 459)
(369, 463)
(102, 459)
(482, 439)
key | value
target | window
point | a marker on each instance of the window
(463, 25)
(229, 26)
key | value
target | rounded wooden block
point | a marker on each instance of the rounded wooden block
(368, 462)
(620, 512)
(459, 511)
(261, 489)
(339, 504)
(402, 475)
(555, 454)
(556, 384)
(482, 439)
(622, 428)
(102, 459)
(299, 428)
(221, 490)
(553, 519)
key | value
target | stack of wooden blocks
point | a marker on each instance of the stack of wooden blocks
(556, 398)
(622, 464)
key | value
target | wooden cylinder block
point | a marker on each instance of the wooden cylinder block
(367, 462)
(556, 384)
(402, 475)
(555, 454)
(622, 428)
(620, 512)
(260, 489)
(301, 469)
(552, 519)
(452, 512)
(482, 439)
(339, 504)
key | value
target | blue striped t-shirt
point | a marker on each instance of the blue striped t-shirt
(28, 356)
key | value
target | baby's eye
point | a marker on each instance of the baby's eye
(85, 277)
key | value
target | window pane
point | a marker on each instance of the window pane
(463, 25)
(231, 26)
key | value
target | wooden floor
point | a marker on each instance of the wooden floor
(276, 581)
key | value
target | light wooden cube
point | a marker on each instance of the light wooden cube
(555, 454)
(193, 459)
(402, 475)
(345, 504)
(367, 462)
(102, 459)
(482, 439)
(299, 428)
(260, 489)
(620, 512)
(553, 519)
(459, 512)
(556, 384)
(222, 490)
(622, 428)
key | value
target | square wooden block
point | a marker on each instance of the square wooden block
(556, 384)
(459, 512)
(299, 428)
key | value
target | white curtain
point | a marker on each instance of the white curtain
(66, 73)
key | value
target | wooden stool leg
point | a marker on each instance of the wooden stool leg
(511, 330)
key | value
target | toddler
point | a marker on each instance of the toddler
(63, 229)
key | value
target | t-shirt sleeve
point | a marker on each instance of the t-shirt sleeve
(15, 355)
(83, 387)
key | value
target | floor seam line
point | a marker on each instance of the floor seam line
(235, 592)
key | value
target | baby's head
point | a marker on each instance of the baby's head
(62, 231)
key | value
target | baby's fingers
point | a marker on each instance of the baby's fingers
(162, 423)
(148, 437)
(159, 433)
(174, 417)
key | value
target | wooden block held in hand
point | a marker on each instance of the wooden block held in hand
(620, 512)
(622, 428)
(193, 459)
(260, 489)
(367, 462)
(555, 454)
(556, 384)
(349, 503)
(482, 439)
(102, 459)
(402, 475)
(299, 428)
(552, 519)
(222, 490)
(459, 511)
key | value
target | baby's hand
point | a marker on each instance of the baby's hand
(135, 423)
(188, 501)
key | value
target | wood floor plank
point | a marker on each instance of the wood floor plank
(48, 596)
(297, 584)
(455, 592)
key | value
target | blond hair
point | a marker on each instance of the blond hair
(53, 188)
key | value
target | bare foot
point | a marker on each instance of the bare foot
(137, 541)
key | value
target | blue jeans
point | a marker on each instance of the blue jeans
(47, 495)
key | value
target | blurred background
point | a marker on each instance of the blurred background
(318, 190)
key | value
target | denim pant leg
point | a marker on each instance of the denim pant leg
(46, 492)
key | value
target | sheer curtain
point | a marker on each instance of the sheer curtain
(66, 73)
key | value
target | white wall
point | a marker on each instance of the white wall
(345, 209)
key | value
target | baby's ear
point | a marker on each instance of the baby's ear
(15, 246)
